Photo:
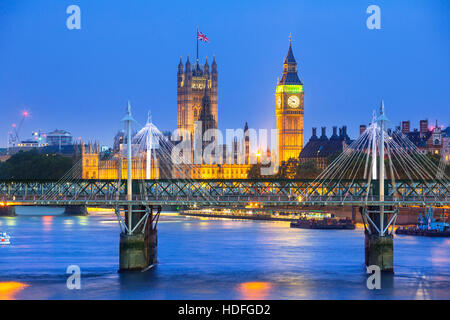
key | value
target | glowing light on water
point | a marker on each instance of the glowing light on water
(109, 221)
(9, 221)
(82, 221)
(47, 221)
(254, 290)
(9, 289)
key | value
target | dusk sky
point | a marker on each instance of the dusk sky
(80, 80)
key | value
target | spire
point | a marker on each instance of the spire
(180, 66)
(290, 55)
(214, 65)
(290, 76)
(188, 64)
(206, 66)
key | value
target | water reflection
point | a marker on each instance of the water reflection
(9, 289)
(211, 259)
(254, 290)
(47, 222)
(83, 220)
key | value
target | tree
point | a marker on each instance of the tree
(307, 170)
(33, 165)
(255, 172)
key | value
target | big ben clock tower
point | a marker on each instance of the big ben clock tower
(289, 110)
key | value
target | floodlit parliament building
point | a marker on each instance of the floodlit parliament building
(197, 112)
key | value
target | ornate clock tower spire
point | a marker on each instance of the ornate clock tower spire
(289, 110)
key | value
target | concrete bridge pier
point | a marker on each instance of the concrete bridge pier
(379, 249)
(138, 250)
(78, 210)
(7, 211)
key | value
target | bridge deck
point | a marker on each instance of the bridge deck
(222, 192)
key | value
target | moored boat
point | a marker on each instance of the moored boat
(4, 238)
(427, 226)
(325, 222)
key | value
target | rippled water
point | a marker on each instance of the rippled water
(210, 259)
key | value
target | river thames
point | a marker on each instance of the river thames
(210, 259)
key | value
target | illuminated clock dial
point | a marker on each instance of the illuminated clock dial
(293, 101)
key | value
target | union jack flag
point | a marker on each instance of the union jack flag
(202, 37)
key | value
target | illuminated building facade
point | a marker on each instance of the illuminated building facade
(94, 166)
(197, 107)
(289, 97)
(190, 92)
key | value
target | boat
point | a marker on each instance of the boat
(427, 226)
(323, 221)
(4, 238)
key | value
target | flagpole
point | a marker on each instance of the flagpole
(196, 36)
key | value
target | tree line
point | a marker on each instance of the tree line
(34, 165)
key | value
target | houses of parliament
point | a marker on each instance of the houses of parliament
(198, 109)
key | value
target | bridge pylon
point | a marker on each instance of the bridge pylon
(138, 237)
(379, 221)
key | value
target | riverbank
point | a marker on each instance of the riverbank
(407, 216)
(236, 216)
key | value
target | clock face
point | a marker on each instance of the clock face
(293, 101)
(279, 102)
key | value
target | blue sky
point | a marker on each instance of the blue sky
(80, 80)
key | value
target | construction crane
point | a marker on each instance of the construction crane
(14, 134)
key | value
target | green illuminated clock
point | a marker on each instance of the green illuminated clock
(293, 101)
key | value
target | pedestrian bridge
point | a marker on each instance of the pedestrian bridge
(223, 192)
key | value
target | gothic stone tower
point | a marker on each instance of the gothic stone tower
(190, 92)
(289, 110)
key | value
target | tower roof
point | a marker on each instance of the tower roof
(290, 55)
(290, 76)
